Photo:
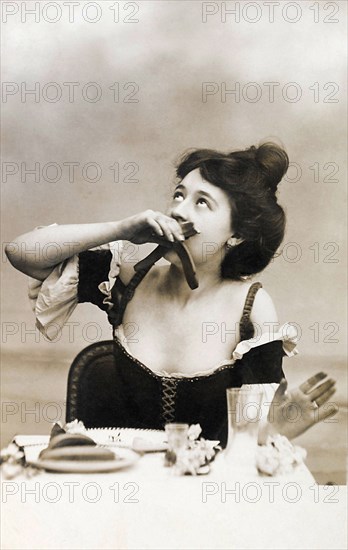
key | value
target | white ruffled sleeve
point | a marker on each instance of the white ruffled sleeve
(54, 299)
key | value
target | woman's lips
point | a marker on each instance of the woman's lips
(188, 229)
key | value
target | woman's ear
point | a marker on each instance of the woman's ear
(234, 241)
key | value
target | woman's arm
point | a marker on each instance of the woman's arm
(263, 314)
(37, 252)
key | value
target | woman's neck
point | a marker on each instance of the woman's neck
(174, 283)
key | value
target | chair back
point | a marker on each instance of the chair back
(92, 377)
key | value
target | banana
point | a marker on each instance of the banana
(77, 452)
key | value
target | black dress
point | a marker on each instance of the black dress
(136, 397)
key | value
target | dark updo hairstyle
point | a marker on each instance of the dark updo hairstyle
(250, 179)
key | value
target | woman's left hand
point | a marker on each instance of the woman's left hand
(292, 412)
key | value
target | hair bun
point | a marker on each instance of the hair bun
(274, 163)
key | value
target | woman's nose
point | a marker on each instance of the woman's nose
(178, 217)
(179, 212)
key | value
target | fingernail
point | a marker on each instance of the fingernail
(171, 238)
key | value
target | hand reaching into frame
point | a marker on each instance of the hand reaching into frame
(292, 412)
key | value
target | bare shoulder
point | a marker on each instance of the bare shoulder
(263, 310)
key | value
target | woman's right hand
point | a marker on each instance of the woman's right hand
(150, 225)
(292, 412)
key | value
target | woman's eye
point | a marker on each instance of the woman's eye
(203, 201)
(178, 195)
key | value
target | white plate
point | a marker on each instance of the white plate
(123, 459)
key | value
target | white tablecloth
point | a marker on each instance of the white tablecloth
(145, 506)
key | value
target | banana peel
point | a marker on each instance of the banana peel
(181, 250)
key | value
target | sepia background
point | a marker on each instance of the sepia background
(164, 72)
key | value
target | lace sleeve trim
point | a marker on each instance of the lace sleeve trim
(116, 249)
(54, 299)
(287, 333)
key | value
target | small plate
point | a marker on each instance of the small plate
(123, 459)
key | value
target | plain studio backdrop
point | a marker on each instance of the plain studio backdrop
(99, 101)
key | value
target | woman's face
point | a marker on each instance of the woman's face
(207, 207)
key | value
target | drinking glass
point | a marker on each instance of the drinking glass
(177, 434)
(244, 413)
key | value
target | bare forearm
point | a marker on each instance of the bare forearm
(38, 251)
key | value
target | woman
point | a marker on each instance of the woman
(187, 346)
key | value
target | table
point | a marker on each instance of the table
(145, 506)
